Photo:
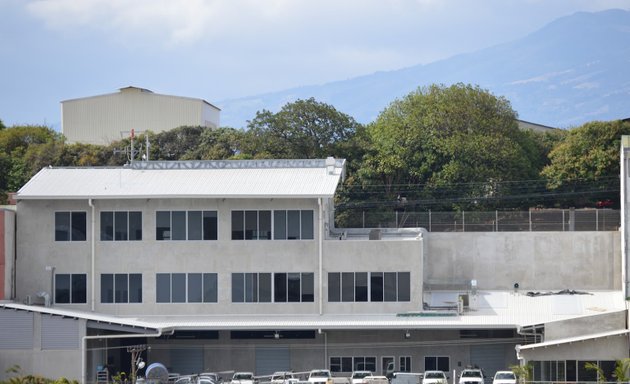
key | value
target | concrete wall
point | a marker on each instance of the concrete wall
(7, 253)
(585, 325)
(37, 250)
(536, 260)
(610, 348)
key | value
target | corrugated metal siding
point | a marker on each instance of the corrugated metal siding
(101, 119)
(270, 360)
(59, 333)
(186, 361)
(490, 358)
(16, 329)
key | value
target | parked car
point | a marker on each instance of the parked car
(504, 377)
(376, 380)
(471, 376)
(320, 376)
(406, 378)
(358, 377)
(243, 378)
(283, 377)
(434, 377)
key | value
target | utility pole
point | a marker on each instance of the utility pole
(136, 360)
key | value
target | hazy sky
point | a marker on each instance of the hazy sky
(53, 50)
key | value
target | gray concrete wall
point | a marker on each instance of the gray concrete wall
(585, 325)
(611, 348)
(37, 250)
(536, 260)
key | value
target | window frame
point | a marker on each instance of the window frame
(69, 231)
(186, 297)
(132, 293)
(113, 236)
(272, 287)
(72, 288)
(207, 217)
(345, 287)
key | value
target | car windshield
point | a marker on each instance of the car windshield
(243, 376)
(505, 376)
(360, 375)
(433, 375)
(471, 374)
(319, 374)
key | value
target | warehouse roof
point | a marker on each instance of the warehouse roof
(192, 179)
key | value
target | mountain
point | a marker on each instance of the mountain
(573, 70)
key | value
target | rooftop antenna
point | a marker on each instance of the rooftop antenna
(130, 150)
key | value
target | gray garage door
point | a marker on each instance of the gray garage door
(490, 358)
(186, 361)
(270, 360)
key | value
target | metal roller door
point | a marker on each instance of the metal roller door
(270, 360)
(490, 358)
(60, 333)
(16, 330)
(186, 361)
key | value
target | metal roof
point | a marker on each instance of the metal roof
(489, 310)
(194, 179)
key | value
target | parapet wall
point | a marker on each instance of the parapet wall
(537, 261)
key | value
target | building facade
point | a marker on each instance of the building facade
(105, 118)
(237, 265)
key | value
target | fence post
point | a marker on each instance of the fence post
(530, 220)
(496, 220)
(363, 214)
(597, 219)
(463, 221)
(563, 220)
(429, 220)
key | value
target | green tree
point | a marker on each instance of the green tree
(458, 143)
(586, 162)
(305, 129)
(217, 144)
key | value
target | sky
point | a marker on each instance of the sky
(55, 50)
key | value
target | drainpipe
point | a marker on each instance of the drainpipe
(320, 255)
(120, 336)
(93, 254)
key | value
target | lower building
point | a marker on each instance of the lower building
(237, 266)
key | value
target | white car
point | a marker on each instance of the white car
(434, 377)
(471, 376)
(243, 378)
(504, 377)
(358, 377)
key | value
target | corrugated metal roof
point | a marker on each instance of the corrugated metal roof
(490, 310)
(218, 179)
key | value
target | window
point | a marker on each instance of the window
(405, 363)
(251, 225)
(70, 226)
(121, 226)
(121, 288)
(293, 225)
(70, 288)
(372, 286)
(341, 364)
(437, 363)
(287, 225)
(350, 364)
(186, 225)
(282, 287)
(186, 288)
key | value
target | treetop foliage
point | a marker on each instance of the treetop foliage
(447, 147)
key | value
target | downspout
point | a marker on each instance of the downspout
(93, 254)
(121, 336)
(321, 256)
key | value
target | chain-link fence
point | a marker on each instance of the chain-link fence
(493, 221)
